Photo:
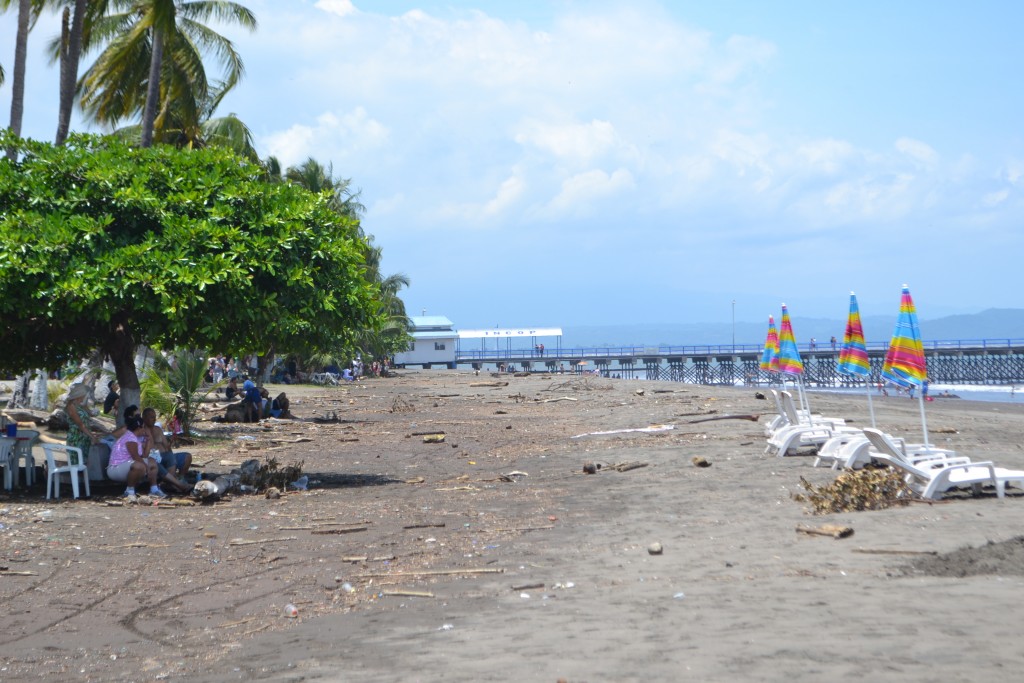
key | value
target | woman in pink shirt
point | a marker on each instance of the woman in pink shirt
(130, 461)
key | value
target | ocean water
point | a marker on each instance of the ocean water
(969, 392)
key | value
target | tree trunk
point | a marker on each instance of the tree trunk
(20, 397)
(263, 367)
(153, 91)
(41, 391)
(18, 85)
(120, 348)
(70, 51)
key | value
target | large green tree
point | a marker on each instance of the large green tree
(107, 246)
(153, 61)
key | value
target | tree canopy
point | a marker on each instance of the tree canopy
(103, 245)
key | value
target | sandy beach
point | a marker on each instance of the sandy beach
(492, 556)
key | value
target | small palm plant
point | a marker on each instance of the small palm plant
(177, 384)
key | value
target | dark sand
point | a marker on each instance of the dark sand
(143, 593)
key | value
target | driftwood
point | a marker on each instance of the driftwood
(259, 541)
(527, 586)
(887, 551)
(352, 530)
(488, 384)
(627, 466)
(833, 530)
(366, 558)
(560, 398)
(752, 418)
(439, 525)
(438, 572)
(407, 594)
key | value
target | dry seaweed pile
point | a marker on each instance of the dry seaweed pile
(270, 473)
(867, 489)
(400, 405)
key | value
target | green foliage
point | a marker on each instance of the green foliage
(170, 248)
(168, 387)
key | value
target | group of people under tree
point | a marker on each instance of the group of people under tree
(140, 449)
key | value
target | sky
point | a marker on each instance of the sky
(598, 163)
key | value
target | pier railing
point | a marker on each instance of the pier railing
(588, 352)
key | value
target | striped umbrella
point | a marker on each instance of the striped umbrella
(853, 357)
(904, 361)
(789, 356)
(770, 357)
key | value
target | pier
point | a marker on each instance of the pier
(971, 361)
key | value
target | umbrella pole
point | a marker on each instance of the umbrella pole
(871, 406)
(924, 422)
(803, 399)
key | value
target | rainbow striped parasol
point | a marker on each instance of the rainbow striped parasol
(770, 357)
(789, 355)
(853, 358)
(904, 361)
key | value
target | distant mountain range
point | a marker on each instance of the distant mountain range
(994, 323)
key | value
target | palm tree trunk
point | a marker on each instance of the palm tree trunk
(153, 91)
(70, 51)
(18, 86)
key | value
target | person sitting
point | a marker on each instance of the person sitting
(346, 375)
(231, 390)
(130, 461)
(171, 466)
(277, 407)
(110, 402)
(252, 402)
(80, 432)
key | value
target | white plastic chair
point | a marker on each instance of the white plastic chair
(27, 439)
(76, 465)
(7, 460)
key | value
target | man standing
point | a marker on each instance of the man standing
(172, 466)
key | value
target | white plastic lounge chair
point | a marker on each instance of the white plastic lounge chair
(793, 415)
(932, 481)
(854, 450)
(913, 453)
(800, 434)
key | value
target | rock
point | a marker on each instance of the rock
(639, 392)
(699, 461)
(589, 468)
(273, 493)
(655, 549)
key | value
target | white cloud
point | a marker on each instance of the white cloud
(578, 143)
(993, 199)
(917, 150)
(581, 192)
(342, 8)
(354, 130)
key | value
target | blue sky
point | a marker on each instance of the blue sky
(566, 163)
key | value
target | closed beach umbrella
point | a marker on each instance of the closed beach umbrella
(904, 361)
(853, 357)
(770, 356)
(789, 355)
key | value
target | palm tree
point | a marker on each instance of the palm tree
(20, 55)
(160, 43)
(72, 29)
(313, 176)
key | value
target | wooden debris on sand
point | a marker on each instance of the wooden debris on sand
(834, 530)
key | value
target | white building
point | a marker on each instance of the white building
(433, 343)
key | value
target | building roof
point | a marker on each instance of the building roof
(430, 322)
(419, 335)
